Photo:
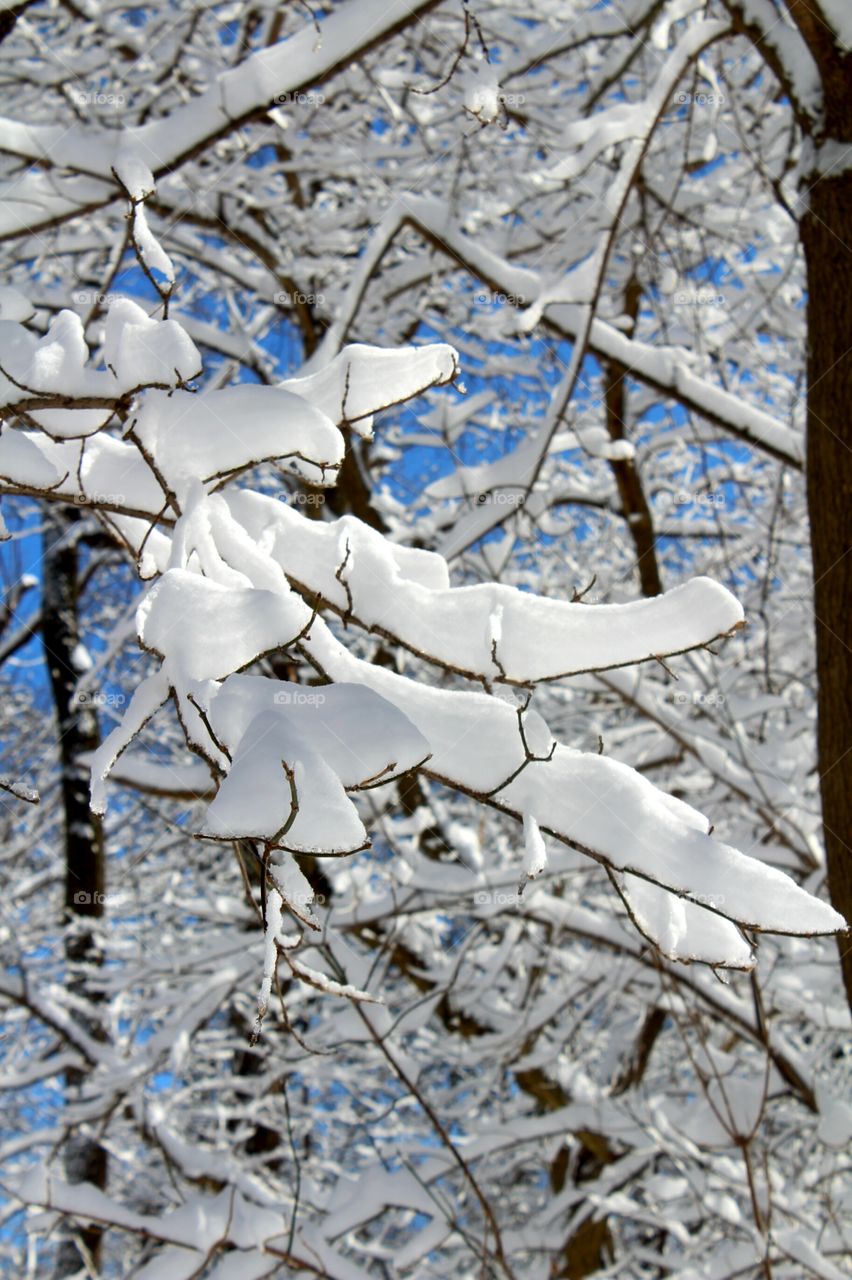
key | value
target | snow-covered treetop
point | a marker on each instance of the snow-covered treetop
(235, 575)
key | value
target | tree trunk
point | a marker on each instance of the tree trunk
(827, 239)
(634, 504)
(84, 1158)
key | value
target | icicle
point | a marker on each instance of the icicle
(535, 852)
(270, 956)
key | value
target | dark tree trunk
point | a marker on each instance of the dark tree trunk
(827, 234)
(9, 17)
(826, 231)
(827, 240)
(84, 1158)
(827, 237)
(634, 504)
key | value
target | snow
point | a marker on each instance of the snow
(409, 672)
(22, 462)
(589, 137)
(795, 1243)
(835, 1119)
(495, 626)
(146, 351)
(247, 1264)
(482, 95)
(378, 1187)
(792, 52)
(294, 888)
(596, 441)
(541, 639)
(40, 1186)
(296, 751)
(682, 929)
(839, 16)
(204, 631)
(732, 1103)
(238, 92)
(306, 806)
(140, 350)
(504, 473)
(199, 1227)
(153, 255)
(148, 697)
(831, 158)
(270, 947)
(661, 368)
(53, 365)
(535, 851)
(37, 197)
(322, 982)
(597, 804)
(18, 789)
(171, 1264)
(14, 305)
(133, 174)
(607, 808)
(288, 755)
(190, 780)
(222, 431)
(81, 659)
(113, 472)
(362, 380)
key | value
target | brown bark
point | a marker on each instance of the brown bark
(827, 238)
(634, 504)
(833, 64)
(84, 1158)
(9, 17)
(826, 231)
(352, 495)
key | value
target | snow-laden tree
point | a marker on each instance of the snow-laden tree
(430, 1024)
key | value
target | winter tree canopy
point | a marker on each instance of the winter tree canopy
(424, 639)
